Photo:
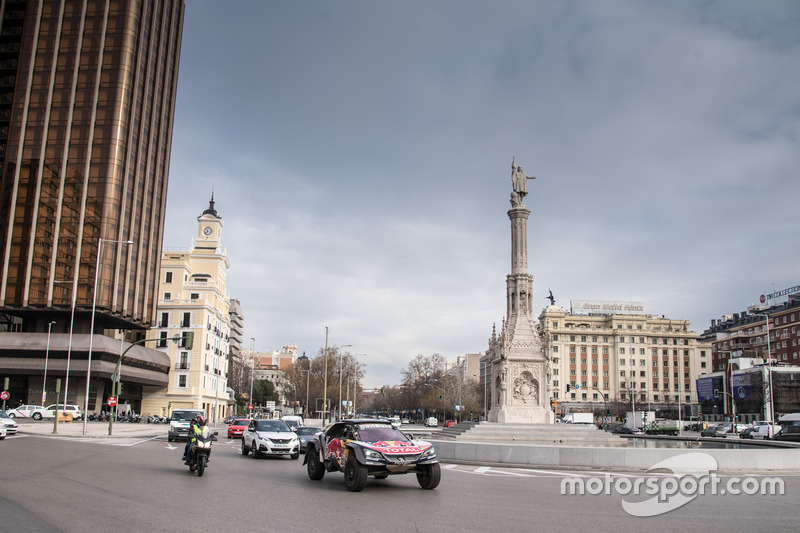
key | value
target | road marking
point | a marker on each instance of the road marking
(481, 470)
(449, 467)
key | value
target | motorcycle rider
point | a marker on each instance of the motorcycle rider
(194, 430)
(197, 428)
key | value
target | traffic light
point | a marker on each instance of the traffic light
(188, 340)
(568, 386)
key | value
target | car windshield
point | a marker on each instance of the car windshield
(4, 415)
(276, 426)
(378, 433)
(183, 415)
(242, 422)
(307, 430)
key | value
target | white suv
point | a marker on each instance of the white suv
(50, 411)
(431, 422)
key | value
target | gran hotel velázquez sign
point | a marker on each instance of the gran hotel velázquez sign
(604, 307)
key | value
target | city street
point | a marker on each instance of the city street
(135, 484)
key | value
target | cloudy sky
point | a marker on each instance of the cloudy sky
(360, 156)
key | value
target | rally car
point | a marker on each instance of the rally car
(362, 448)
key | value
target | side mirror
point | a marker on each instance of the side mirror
(216, 433)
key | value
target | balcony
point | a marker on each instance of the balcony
(181, 366)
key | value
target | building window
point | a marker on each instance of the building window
(555, 324)
(187, 320)
(622, 362)
(168, 296)
(622, 351)
(181, 381)
(194, 296)
(168, 277)
(184, 363)
(164, 320)
(162, 342)
(555, 349)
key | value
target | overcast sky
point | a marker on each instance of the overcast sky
(360, 155)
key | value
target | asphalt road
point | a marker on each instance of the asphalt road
(133, 485)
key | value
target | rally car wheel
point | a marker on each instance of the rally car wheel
(355, 475)
(430, 476)
(315, 467)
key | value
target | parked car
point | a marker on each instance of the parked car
(431, 422)
(23, 411)
(747, 433)
(50, 411)
(625, 430)
(270, 437)
(449, 423)
(788, 433)
(305, 434)
(404, 421)
(710, 430)
(237, 427)
(361, 448)
(8, 423)
(230, 418)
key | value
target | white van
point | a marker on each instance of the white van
(764, 430)
(293, 421)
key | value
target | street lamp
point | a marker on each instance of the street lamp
(252, 372)
(769, 377)
(341, 369)
(91, 330)
(308, 382)
(355, 384)
(46, 357)
(74, 282)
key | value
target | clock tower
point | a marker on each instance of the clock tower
(209, 229)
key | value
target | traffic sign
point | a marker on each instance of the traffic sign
(112, 401)
(4, 395)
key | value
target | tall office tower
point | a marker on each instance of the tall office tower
(87, 100)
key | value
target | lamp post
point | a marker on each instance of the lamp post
(355, 383)
(341, 369)
(485, 386)
(74, 282)
(769, 377)
(46, 357)
(91, 328)
(252, 373)
(308, 382)
(325, 383)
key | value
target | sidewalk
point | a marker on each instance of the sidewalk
(44, 428)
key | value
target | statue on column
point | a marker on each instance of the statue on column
(519, 183)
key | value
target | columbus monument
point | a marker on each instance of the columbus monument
(520, 369)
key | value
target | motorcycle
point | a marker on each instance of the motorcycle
(201, 447)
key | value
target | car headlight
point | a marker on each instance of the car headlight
(372, 455)
(430, 452)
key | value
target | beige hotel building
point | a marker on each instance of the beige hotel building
(617, 350)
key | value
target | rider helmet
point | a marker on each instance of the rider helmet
(201, 420)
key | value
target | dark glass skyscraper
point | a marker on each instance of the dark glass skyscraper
(87, 101)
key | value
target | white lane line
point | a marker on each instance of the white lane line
(481, 470)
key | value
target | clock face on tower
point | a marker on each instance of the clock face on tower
(207, 230)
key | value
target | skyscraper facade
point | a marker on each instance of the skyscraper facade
(86, 154)
(87, 100)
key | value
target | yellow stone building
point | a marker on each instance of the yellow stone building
(619, 351)
(192, 297)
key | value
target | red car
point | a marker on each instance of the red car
(237, 427)
(449, 423)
